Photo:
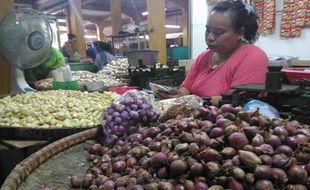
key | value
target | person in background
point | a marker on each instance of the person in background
(104, 54)
(69, 50)
(231, 59)
(43, 71)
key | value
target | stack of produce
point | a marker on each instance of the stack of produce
(84, 77)
(117, 69)
(54, 109)
(114, 74)
(217, 149)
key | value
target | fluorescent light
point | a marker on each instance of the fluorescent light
(173, 35)
(62, 20)
(62, 28)
(90, 36)
(146, 13)
(172, 26)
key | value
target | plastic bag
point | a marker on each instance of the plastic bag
(160, 88)
(123, 117)
(264, 108)
(183, 106)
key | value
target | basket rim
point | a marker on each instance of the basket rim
(29, 164)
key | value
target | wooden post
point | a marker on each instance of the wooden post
(185, 27)
(76, 25)
(5, 76)
(100, 34)
(156, 23)
(116, 16)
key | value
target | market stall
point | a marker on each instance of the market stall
(189, 146)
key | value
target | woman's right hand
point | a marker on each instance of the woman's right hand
(172, 93)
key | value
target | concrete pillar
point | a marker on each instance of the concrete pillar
(156, 23)
(5, 77)
(116, 16)
(76, 26)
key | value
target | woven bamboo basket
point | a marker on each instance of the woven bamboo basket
(53, 164)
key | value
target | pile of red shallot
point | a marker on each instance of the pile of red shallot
(216, 149)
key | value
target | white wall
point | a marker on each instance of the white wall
(198, 16)
(271, 44)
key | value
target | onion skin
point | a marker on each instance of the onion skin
(296, 187)
(227, 108)
(249, 159)
(257, 140)
(238, 173)
(194, 149)
(264, 149)
(262, 172)
(266, 159)
(297, 174)
(302, 153)
(210, 154)
(248, 147)
(235, 185)
(280, 131)
(216, 132)
(201, 186)
(165, 186)
(292, 126)
(178, 167)
(87, 181)
(279, 176)
(197, 169)
(162, 173)
(136, 187)
(236, 160)
(189, 185)
(228, 152)
(285, 150)
(230, 116)
(159, 159)
(223, 122)
(245, 115)
(108, 185)
(212, 169)
(76, 181)
(307, 168)
(280, 160)
(263, 185)
(151, 186)
(237, 140)
(273, 140)
(249, 178)
(216, 187)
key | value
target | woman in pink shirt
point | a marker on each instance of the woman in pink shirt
(231, 59)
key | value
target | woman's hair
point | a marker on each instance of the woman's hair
(105, 47)
(241, 16)
(71, 36)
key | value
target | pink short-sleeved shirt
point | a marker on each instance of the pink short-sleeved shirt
(247, 65)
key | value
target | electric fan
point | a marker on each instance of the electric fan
(25, 41)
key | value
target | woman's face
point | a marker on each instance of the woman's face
(220, 35)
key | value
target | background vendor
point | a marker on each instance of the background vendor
(43, 71)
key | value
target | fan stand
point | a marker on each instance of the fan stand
(18, 82)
